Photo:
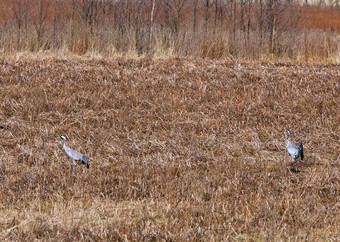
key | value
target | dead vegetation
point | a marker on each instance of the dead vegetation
(269, 30)
(179, 149)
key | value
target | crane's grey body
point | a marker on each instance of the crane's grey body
(75, 155)
(294, 151)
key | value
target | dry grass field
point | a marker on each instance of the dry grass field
(179, 150)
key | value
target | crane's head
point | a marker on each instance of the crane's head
(63, 137)
(288, 133)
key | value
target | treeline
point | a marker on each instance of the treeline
(250, 29)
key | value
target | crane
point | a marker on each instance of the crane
(294, 151)
(75, 156)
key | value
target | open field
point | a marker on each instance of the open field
(179, 149)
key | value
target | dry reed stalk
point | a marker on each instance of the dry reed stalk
(180, 149)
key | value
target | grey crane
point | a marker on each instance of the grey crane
(75, 156)
(294, 151)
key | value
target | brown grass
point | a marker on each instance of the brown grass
(180, 149)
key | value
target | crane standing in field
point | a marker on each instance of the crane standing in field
(75, 156)
(294, 151)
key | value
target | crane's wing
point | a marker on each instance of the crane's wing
(74, 155)
(293, 151)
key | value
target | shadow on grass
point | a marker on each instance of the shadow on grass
(294, 170)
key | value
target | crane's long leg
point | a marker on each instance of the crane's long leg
(73, 163)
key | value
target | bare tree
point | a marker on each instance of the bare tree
(242, 6)
(206, 17)
(250, 3)
(232, 15)
(138, 14)
(195, 16)
(151, 21)
(55, 20)
(19, 13)
(217, 14)
(87, 10)
(39, 18)
(271, 23)
(175, 9)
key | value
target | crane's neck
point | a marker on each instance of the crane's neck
(63, 143)
(288, 142)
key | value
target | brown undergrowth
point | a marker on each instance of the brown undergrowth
(179, 149)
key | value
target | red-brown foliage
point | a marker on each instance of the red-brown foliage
(324, 18)
(216, 31)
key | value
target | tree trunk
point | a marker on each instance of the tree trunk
(195, 17)
(151, 23)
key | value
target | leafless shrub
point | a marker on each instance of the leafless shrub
(240, 29)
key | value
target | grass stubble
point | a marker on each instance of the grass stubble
(179, 149)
